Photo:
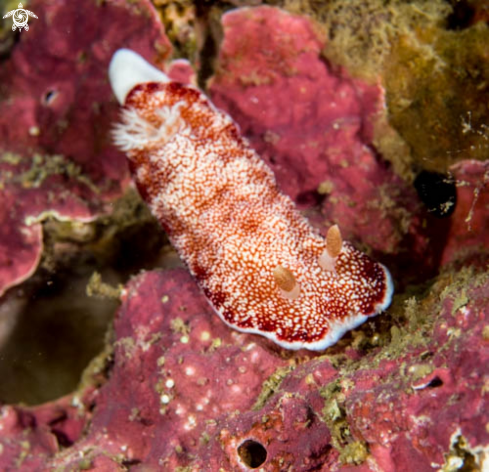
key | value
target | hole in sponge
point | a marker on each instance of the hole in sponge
(50, 96)
(435, 382)
(252, 453)
(437, 191)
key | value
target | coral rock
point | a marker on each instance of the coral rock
(466, 239)
(313, 125)
(184, 390)
(187, 391)
(56, 157)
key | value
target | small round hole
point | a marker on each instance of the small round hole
(435, 382)
(252, 453)
(50, 96)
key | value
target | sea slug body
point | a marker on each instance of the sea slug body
(262, 266)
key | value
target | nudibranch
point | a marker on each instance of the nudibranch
(262, 266)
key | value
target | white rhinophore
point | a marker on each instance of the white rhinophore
(128, 69)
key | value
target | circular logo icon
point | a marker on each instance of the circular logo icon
(20, 18)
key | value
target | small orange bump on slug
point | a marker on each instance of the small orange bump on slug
(284, 278)
(334, 241)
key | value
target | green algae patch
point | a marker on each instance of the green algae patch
(10, 158)
(359, 33)
(99, 289)
(97, 371)
(33, 171)
(178, 326)
(436, 77)
(45, 166)
(354, 453)
(462, 457)
(128, 346)
(181, 27)
(437, 95)
(271, 385)
(335, 416)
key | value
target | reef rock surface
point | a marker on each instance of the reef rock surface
(186, 391)
(175, 388)
(56, 112)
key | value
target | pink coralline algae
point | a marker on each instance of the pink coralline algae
(30, 436)
(313, 124)
(467, 235)
(180, 390)
(265, 270)
(187, 391)
(56, 156)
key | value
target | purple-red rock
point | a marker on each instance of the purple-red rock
(466, 238)
(56, 111)
(31, 436)
(313, 124)
(407, 391)
(187, 391)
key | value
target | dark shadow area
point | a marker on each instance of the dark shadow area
(462, 16)
(50, 329)
(58, 330)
